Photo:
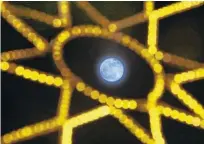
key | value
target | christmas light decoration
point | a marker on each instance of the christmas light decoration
(112, 105)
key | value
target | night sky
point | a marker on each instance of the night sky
(25, 102)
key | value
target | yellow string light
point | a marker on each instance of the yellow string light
(152, 34)
(31, 74)
(64, 103)
(64, 13)
(180, 116)
(187, 99)
(19, 54)
(31, 13)
(176, 8)
(180, 62)
(130, 21)
(188, 76)
(112, 27)
(4, 66)
(93, 13)
(151, 105)
(30, 131)
(148, 7)
(132, 126)
(40, 43)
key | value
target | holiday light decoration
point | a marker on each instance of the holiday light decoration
(112, 105)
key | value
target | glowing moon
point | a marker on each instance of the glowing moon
(111, 69)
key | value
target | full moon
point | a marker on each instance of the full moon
(111, 69)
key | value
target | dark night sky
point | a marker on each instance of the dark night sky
(25, 102)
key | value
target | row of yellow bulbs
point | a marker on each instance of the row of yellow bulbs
(101, 112)
(65, 101)
(19, 54)
(187, 99)
(33, 75)
(134, 128)
(94, 94)
(30, 131)
(34, 14)
(175, 8)
(82, 119)
(24, 29)
(190, 75)
(183, 117)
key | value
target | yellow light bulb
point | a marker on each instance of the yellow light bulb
(40, 45)
(97, 30)
(196, 121)
(110, 101)
(4, 66)
(126, 40)
(32, 36)
(49, 80)
(125, 104)
(102, 98)
(94, 94)
(42, 78)
(80, 86)
(87, 91)
(26, 131)
(112, 27)
(175, 114)
(62, 37)
(58, 81)
(157, 68)
(76, 31)
(7, 138)
(167, 111)
(118, 103)
(159, 55)
(152, 50)
(57, 23)
(26, 73)
(132, 104)
(34, 75)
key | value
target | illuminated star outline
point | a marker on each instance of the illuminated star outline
(113, 106)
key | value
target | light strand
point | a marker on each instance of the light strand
(137, 130)
(22, 11)
(148, 7)
(152, 34)
(65, 13)
(82, 119)
(189, 76)
(93, 13)
(20, 54)
(181, 116)
(32, 74)
(30, 131)
(38, 41)
(179, 61)
(176, 8)
(129, 21)
(187, 99)
(65, 101)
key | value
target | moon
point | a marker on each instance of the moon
(111, 69)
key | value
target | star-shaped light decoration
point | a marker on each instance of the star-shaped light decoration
(113, 106)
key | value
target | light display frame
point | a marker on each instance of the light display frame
(113, 106)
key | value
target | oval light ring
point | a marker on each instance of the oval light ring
(125, 40)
